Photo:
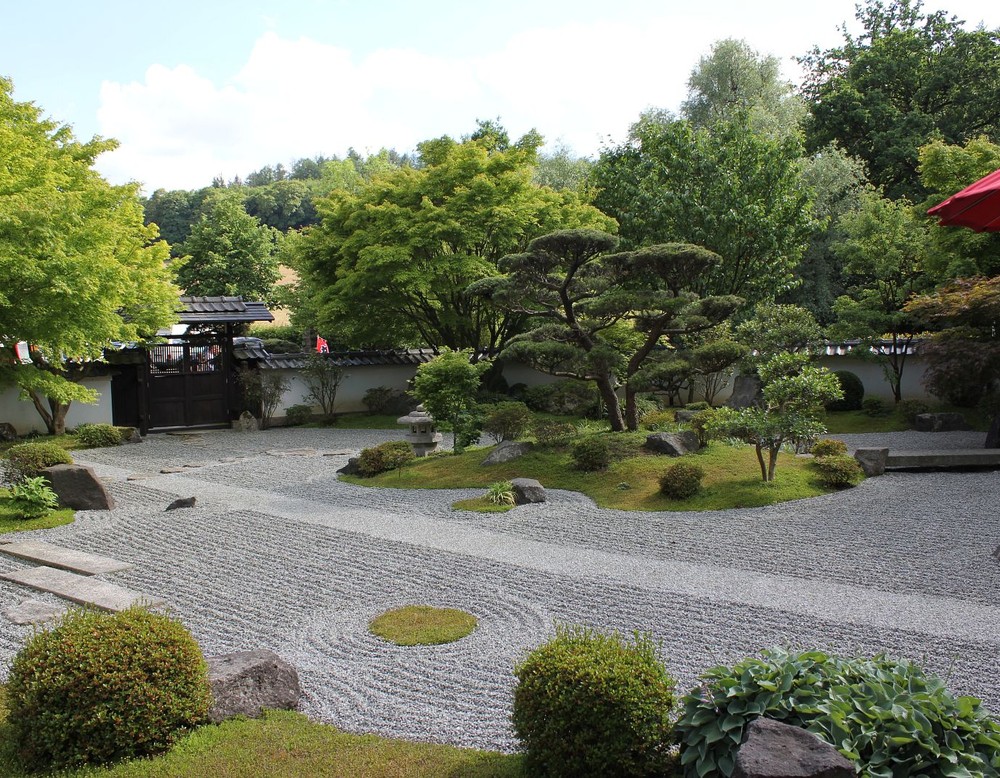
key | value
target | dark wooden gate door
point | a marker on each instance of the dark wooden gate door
(189, 383)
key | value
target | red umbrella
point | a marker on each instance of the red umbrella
(977, 206)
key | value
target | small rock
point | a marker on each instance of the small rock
(507, 451)
(181, 502)
(247, 682)
(872, 460)
(131, 435)
(674, 444)
(527, 490)
(78, 487)
(7, 432)
(773, 749)
(169, 470)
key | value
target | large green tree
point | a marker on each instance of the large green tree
(229, 252)
(728, 188)
(78, 267)
(389, 264)
(907, 77)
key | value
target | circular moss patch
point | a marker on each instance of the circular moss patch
(422, 625)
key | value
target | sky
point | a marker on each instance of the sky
(219, 88)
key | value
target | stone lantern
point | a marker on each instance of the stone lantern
(423, 435)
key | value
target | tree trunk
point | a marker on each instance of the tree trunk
(760, 461)
(607, 390)
(59, 412)
(631, 411)
(772, 462)
(993, 436)
(54, 415)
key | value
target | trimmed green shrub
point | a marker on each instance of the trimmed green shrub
(875, 406)
(827, 447)
(99, 435)
(27, 460)
(681, 481)
(33, 498)
(839, 470)
(377, 399)
(587, 703)
(297, 415)
(910, 409)
(102, 687)
(384, 457)
(701, 423)
(552, 433)
(886, 715)
(659, 419)
(701, 405)
(591, 454)
(854, 392)
(507, 421)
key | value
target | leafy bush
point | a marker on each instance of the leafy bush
(381, 400)
(853, 389)
(27, 460)
(99, 435)
(567, 398)
(593, 704)
(827, 447)
(501, 493)
(701, 405)
(101, 687)
(701, 423)
(644, 406)
(323, 377)
(262, 391)
(33, 498)
(961, 367)
(875, 406)
(681, 481)
(886, 715)
(552, 433)
(659, 419)
(839, 470)
(296, 415)
(591, 453)
(507, 421)
(384, 457)
(910, 409)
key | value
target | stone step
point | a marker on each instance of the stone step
(943, 459)
(63, 558)
(80, 589)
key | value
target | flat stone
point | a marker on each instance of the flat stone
(247, 682)
(63, 558)
(342, 453)
(940, 422)
(78, 487)
(945, 459)
(507, 451)
(773, 749)
(169, 470)
(34, 612)
(674, 444)
(872, 460)
(527, 490)
(139, 476)
(195, 464)
(81, 589)
(292, 452)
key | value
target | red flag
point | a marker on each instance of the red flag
(321, 346)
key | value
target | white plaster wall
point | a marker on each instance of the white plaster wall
(24, 417)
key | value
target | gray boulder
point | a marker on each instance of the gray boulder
(351, 468)
(674, 444)
(7, 432)
(79, 488)
(528, 490)
(181, 502)
(773, 749)
(131, 435)
(748, 392)
(872, 460)
(247, 682)
(248, 422)
(683, 416)
(508, 451)
(940, 422)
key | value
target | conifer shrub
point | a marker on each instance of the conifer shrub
(27, 460)
(839, 471)
(102, 687)
(588, 703)
(591, 454)
(384, 457)
(853, 389)
(681, 481)
(828, 447)
(99, 435)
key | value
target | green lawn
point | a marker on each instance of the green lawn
(732, 477)
(851, 422)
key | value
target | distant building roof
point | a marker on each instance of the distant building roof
(220, 310)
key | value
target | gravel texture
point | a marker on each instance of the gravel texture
(279, 554)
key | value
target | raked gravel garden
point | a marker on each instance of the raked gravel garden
(278, 553)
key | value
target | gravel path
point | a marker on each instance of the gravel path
(280, 554)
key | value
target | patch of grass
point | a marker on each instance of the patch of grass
(853, 422)
(422, 625)
(481, 505)
(732, 477)
(10, 520)
(285, 744)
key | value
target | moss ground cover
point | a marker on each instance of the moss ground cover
(422, 625)
(10, 520)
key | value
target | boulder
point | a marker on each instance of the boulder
(872, 460)
(527, 490)
(940, 422)
(748, 392)
(181, 502)
(684, 416)
(7, 432)
(351, 468)
(79, 488)
(247, 682)
(248, 422)
(507, 451)
(131, 435)
(674, 444)
(773, 749)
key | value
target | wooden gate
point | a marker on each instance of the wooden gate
(189, 383)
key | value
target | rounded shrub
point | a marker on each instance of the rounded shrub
(591, 454)
(827, 447)
(98, 435)
(588, 703)
(886, 715)
(875, 406)
(701, 423)
(853, 389)
(659, 419)
(910, 409)
(102, 687)
(552, 433)
(384, 457)
(681, 481)
(507, 421)
(298, 414)
(839, 471)
(27, 460)
(700, 405)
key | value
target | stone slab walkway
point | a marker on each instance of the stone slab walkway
(80, 589)
(63, 558)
